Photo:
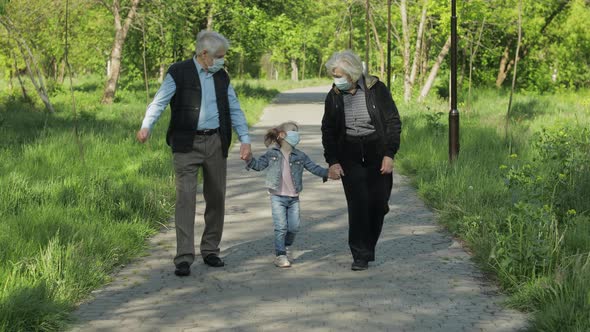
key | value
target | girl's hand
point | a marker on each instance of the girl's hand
(386, 165)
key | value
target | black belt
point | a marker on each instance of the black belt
(206, 132)
(362, 139)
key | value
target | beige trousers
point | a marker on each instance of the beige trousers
(207, 155)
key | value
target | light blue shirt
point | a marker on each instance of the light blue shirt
(209, 115)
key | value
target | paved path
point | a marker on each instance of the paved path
(422, 280)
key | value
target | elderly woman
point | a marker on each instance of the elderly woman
(361, 135)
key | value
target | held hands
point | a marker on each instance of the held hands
(386, 165)
(245, 152)
(335, 172)
(142, 135)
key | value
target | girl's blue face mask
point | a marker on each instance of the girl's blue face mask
(292, 138)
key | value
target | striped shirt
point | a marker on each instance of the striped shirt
(356, 115)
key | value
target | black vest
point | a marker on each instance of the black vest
(186, 107)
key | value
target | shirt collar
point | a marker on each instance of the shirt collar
(360, 84)
(199, 67)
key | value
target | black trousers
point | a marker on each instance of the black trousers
(367, 194)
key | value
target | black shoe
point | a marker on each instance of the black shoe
(183, 269)
(213, 260)
(359, 265)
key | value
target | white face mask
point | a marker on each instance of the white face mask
(342, 83)
(217, 64)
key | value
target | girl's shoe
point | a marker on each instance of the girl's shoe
(282, 261)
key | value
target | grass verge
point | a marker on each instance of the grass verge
(70, 213)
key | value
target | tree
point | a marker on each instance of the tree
(23, 45)
(121, 29)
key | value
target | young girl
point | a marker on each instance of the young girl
(283, 178)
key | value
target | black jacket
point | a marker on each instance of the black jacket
(383, 113)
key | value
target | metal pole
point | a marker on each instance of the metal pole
(367, 37)
(454, 113)
(389, 44)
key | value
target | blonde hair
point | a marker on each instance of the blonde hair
(272, 135)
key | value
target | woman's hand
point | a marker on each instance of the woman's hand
(335, 172)
(386, 165)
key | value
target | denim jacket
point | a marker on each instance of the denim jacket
(298, 160)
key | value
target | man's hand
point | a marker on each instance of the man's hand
(143, 134)
(386, 165)
(245, 152)
(335, 172)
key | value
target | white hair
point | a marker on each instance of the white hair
(211, 42)
(349, 62)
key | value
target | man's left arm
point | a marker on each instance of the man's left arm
(239, 123)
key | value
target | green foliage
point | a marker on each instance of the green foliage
(269, 37)
(524, 215)
(67, 221)
(433, 121)
(568, 300)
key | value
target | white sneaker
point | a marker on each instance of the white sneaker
(282, 261)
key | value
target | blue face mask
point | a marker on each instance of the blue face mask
(342, 83)
(216, 66)
(292, 138)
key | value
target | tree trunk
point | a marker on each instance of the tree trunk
(20, 81)
(31, 63)
(161, 73)
(62, 71)
(424, 60)
(321, 61)
(434, 70)
(143, 56)
(162, 67)
(418, 49)
(241, 66)
(117, 49)
(379, 46)
(471, 58)
(367, 40)
(505, 66)
(35, 74)
(303, 65)
(294, 70)
(210, 17)
(406, 51)
(507, 128)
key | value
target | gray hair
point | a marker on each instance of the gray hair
(349, 62)
(211, 41)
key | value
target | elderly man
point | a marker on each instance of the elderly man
(204, 110)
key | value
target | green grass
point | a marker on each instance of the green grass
(520, 201)
(72, 212)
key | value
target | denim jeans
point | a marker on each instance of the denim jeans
(285, 215)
